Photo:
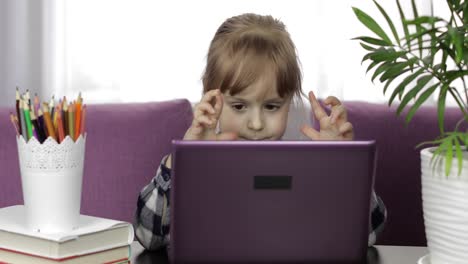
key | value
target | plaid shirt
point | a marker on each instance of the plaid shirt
(152, 217)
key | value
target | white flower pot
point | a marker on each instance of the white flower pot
(445, 208)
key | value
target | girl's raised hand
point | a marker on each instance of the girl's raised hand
(205, 117)
(332, 127)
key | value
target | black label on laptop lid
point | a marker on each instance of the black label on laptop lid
(272, 182)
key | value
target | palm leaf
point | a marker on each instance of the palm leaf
(372, 65)
(465, 13)
(373, 41)
(458, 98)
(370, 23)
(441, 107)
(437, 152)
(420, 101)
(452, 75)
(381, 69)
(433, 40)
(405, 26)
(432, 142)
(389, 21)
(403, 84)
(459, 155)
(418, 35)
(380, 50)
(389, 81)
(396, 70)
(367, 47)
(422, 81)
(457, 41)
(448, 157)
(386, 55)
(424, 20)
(418, 27)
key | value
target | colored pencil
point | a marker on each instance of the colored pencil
(51, 106)
(32, 112)
(61, 132)
(48, 121)
(54, 118)
(83, 120)
(40, 133)
(15, 123)
(36, 104)
(55, 123)
(65, 117)
(71, 121)
(18, 109)
(27, 120)
(78, 116)
(28, 97)
(22, 121)
(40, 119)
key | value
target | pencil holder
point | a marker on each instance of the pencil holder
(51, 178)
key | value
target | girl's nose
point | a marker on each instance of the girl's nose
(256, 122)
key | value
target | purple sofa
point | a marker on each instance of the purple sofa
(398, 174)
(126, 142)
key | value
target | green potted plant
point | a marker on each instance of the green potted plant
(430, 58)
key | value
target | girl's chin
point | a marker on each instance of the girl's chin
(254, 139)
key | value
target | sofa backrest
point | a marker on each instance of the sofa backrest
(398, 174)
(125, 144)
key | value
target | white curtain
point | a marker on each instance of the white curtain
(28, 48)
(147, 50)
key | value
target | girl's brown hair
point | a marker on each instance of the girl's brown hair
(247, 46)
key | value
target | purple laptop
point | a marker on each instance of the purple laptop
(271, 201)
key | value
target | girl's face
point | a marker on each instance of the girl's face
(256, 113)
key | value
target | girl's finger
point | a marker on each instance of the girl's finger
(196, 128)
(345, 128)
(204, 120)
(218, 107)
(208, 96)
(332, 100)
(319, 112)
(337, 112)
(203, 108)
(214, 98)
(310, 132)
(226, 136)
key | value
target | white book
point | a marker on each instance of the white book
(118, 255)
(94, 234)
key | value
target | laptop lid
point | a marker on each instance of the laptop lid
(271, 201)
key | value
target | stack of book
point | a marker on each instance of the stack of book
(97, 240)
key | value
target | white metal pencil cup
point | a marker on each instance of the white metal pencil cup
(51, 178)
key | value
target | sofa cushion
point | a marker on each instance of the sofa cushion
(125, 144)
(398, 174)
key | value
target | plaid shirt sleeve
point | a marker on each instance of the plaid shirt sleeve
(151, 221)
(152, 216)
(378, 217)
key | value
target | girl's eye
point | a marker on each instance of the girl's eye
(272, 107)
(238, 107)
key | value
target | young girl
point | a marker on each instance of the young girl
(251, 78)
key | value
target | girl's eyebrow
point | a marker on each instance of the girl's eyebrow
(233, 98)
(272, 100)
(275, 100)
